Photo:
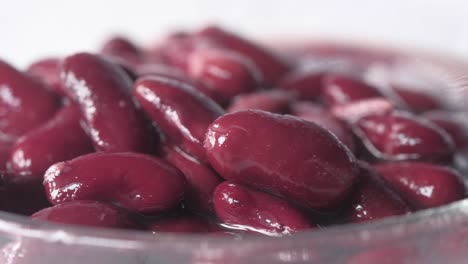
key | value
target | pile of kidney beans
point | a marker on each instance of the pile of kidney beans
(210, 132)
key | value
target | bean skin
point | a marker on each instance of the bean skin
(307, 85)
(86, 213)
(59, 139)
(423, 185)
(138, 182)
(48, 71)
(122, 48)
(182, 113)
(452, 124)
(417, 101)
(102, 90)
(284, 155)
(341, 89)
(25, 103)
(243, 208)
(353, 111)
(274, 101)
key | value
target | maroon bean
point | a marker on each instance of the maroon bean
(372, 199)
(452, 124)
(325, 119)
(351, 112)
(122, 48)
(86, 213)
(243, 208)
(24, 102)
(48, 71)
(341, 89)
(274, 101)
(182, 113)
(417, 101)
(136, 181)
(271, 65)
(59, 139)
(102, 91)
(284, 155)
(306, 84)
(201, 179)
(228, 73)
(402, 136)
(183, 224)
(423, 185)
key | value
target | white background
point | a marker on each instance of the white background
(30, 29)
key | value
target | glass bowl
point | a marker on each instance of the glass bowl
(437, 235)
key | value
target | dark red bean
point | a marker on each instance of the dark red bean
(228, 73)
(285, 155)
(102, 91)
(25, 103)
(122, 48)
(182, 113)
(201, 179)
(402, 136)
(48, 71)
(271, 65)
(59, 139)
(137, 182)
(182, 224)
(452, 124)
(325, 119)
(372, 199)
(243, 208)
(417, 101)
(306, 84)
(87, 213)
(274, 101)
(353, 111)
(341, 89)
(423, 185)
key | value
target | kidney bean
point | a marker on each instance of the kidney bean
(271, 65)
(61, 138)
(201, 179)
(372, 199)
(87, 213)
(402, 136)
(306, 84)
(284, 155)
(417, 101)
(228, 73)
(101, 89)
(122, 48)
(423, 185)
(323, 118)
(341, 89)
(48, 71)
(24, 102)
(183, 224)
(136, 181)
(243, 208)
(182, 113)
(274, 101)
(353, 111)
(451, 124)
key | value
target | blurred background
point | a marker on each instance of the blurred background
(31, 29)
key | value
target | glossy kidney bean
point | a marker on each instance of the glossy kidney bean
(402, 136)
(87, 213)
(61, 138)
(451, 123)
(285, 155)
(274, 101)
(325, 119)
(200, 177)
(306, 84)
(182, 224)
(341, 89)
(122, 48)
(102, 90)
(25, 103)
(271, 65)
(423, 185)
(417, 101)
(182, 113)
(228, 73)
(243, 208)
(353, 111)
(372, 199)
(136, 181)
(48, 71)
